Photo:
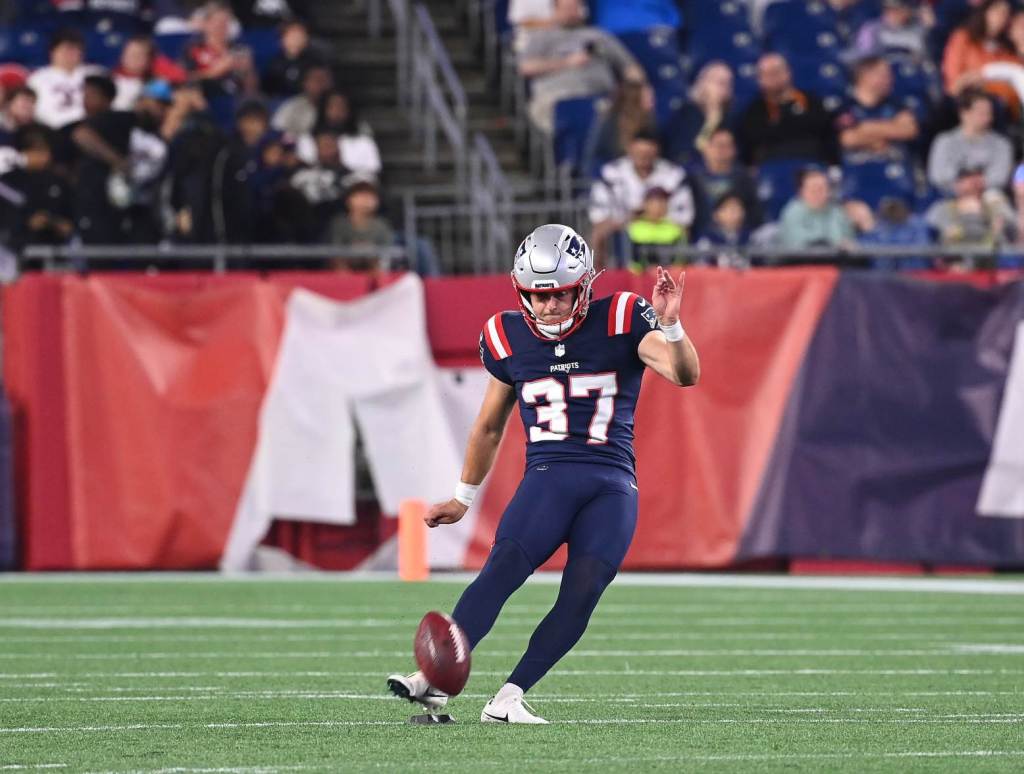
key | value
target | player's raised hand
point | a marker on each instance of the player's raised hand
(667, 296)
(445, 513)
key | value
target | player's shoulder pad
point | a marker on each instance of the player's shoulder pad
(627, 310)
(495, 335)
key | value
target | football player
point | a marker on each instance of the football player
(574, 366)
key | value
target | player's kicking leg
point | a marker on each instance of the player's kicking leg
(599, 537)
(415, 688)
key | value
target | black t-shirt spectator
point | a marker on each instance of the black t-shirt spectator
(32, 204)
(115, 127)
(797, 127)
(283, 77)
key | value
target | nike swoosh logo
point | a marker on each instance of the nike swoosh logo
(495, 717)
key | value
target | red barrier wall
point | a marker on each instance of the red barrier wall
(136, 401)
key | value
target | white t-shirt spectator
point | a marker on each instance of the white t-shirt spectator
(520, 11)
(59, 94)
(619, 192)
(358, 152)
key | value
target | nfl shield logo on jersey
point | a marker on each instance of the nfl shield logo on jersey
(559, 350)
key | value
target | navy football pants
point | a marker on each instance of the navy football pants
(593, 508)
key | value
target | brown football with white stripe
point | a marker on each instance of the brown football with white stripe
(442, 652)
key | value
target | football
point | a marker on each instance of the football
(442, 652)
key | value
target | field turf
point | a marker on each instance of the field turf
(205, 674)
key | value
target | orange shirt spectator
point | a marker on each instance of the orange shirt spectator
(981, 41)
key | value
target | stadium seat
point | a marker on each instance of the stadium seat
(776, 184)
(172, 45)
(573, 120)
(826, 80)
(31, 44)
(657, 51)
(911, 79)
(871, 181)
(103, 48)
(732, 47)
(265, 44)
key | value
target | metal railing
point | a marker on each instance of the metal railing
(218, 258)
(427, 88)
(491, 196)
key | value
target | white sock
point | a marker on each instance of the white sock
(508, 691)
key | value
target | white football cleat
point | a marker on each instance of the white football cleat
(508, 706)
(415, 688)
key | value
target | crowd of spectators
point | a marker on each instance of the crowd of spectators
(210, 122)
(798, 123)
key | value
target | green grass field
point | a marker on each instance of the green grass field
(258, 676)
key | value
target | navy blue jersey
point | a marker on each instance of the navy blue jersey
(576, 396)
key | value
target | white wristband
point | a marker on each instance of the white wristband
(465, 493)
(673, 332)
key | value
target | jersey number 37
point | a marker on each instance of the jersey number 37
(548, 395)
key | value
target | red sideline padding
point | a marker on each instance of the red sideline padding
(136, 400)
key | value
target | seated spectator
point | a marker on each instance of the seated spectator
(618, 194)
(252, 122)
(813, 219)
(982, 40)
(283, 77)
(19, 110)
(901, 31)
(297, 116)
(263, 13)
(895, 224)
(717, 173)
(784, 122)
(709, 109)
(728, 230)
(141, 63)
(58, 86)
(360, 226)
(322, 184)
(651, 225)
(222, 67)
(570, 60)
(873, 128)
(280, 209)
(527, 15)
(972, 144)
(181, 17)
(356, 147)
(609, 136)
(972, 215)
(40, 210)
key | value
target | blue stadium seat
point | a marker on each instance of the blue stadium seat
(104, 48)
(732, 47)
(871, 181)
(776, 184)
(265, 44)
(657, 51)
(31, 44)
(911, 79)
(173, 45)
(795, 18)
(709, 15)
(573, 119)
(744, 85)
(827, 80)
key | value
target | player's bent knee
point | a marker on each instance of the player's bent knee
(508, 560)
(585, 578)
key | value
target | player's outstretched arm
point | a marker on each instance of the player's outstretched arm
(669, 351)
(481, 449)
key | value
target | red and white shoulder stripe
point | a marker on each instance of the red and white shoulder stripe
(620, 313)
(497, 341)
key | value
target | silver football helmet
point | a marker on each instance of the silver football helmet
(552, 258)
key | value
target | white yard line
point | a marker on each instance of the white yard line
(666, 653)
(711, 580)
(556, 673)
(950, 720)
